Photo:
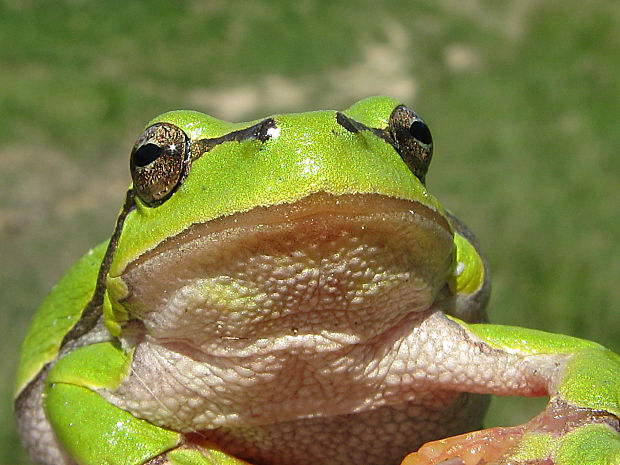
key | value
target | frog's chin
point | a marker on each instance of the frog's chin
(323, 267)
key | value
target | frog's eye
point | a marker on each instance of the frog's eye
(159, 162)
(412, 139)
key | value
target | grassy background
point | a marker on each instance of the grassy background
(522, 96)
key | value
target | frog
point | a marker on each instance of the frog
(288, 291)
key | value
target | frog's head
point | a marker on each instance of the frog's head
(291, 225)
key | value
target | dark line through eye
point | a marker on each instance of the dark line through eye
(346, 123)
(258, 131)
(354, 127)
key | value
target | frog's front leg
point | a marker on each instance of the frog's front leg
(94, 432)
(581, 421)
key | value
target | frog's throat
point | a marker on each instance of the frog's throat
(322, 265)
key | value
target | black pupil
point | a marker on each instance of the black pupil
(420, 131)
(147, 154)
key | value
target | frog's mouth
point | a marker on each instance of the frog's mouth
(339, 268)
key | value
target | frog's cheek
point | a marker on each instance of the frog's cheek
(90, 429)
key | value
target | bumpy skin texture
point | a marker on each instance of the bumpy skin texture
(287, 291)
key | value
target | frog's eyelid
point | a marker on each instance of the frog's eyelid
(261, 131)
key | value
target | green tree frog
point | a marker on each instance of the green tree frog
(287, 291)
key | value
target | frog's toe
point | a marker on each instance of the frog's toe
(561, 435)
(475, 448)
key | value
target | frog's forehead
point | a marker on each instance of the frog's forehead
(373, 112)
(306, 153)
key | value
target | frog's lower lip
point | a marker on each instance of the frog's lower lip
(271, 270)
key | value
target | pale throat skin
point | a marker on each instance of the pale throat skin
(287, 291)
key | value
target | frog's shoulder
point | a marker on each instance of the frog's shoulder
(57, 315)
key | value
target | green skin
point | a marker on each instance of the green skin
(75, 374)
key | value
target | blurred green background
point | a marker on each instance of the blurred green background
(522, 97)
